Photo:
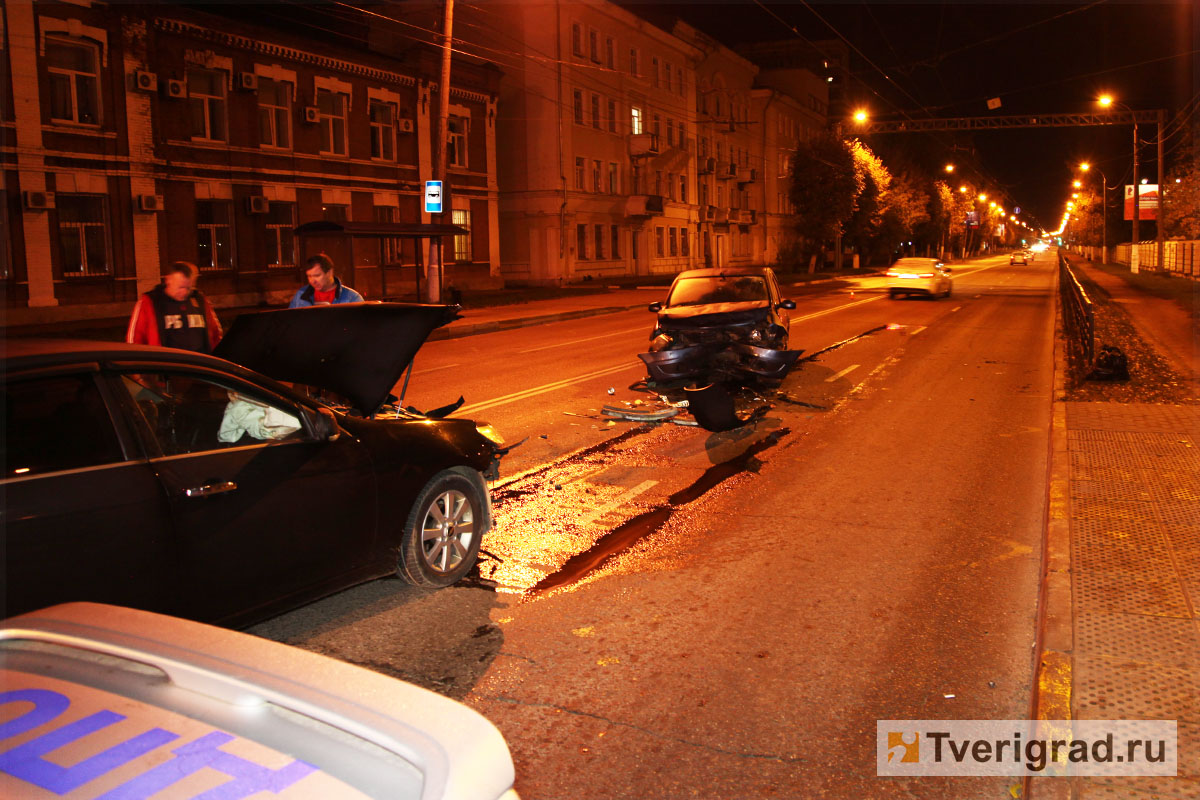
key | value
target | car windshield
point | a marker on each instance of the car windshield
(718, 289)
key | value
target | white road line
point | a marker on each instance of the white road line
(447, 366)
(915, 331)
(959, 308)
(843, 373)
(546, 387)
(643, 329)
(620, 500)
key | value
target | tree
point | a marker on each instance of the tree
(823, 191)
(905, 210)
(872, 180)
(1182, 213)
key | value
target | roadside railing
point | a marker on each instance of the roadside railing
(1079, 322)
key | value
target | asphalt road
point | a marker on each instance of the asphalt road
(753, 600)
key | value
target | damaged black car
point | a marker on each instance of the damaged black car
(207, 487)
(721, 325)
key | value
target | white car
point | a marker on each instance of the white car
(102, 700)
(1021, 256)
(919, 276)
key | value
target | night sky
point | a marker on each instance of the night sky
(947, 59)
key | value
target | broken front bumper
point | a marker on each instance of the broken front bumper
(708, 361)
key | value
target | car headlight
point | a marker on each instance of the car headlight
(660, 342)
(489, 433)
(756, 335)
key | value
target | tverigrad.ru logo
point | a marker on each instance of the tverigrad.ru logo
(1027, 747)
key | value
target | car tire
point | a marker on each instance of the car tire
(893, 294)
(443, 531)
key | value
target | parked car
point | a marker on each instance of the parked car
(1021, 257)
(721, 324)
(918, 276)
(187, 484)
(136, 704)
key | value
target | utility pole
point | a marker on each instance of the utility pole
(433, 282)
(1134, 255)
(1162, 194)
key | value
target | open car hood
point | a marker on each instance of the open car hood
(357, 350)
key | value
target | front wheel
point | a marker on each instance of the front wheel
(442, 534)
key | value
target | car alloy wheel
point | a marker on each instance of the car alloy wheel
(441, 538)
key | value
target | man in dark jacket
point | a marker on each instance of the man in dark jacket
(323, 286)
(175, 314)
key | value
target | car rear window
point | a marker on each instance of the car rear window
(57, 423)
(720, 289)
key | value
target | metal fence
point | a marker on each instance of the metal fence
(1179, 257)
(1079, 322)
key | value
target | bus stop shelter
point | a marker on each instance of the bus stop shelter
(420, 232)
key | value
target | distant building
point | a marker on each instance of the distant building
(135, 136)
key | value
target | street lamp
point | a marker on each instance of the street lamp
(1106, 101)
(1085, 166)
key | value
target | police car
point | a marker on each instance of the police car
(105, 701)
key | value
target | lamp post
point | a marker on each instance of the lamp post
(1106, 101)
(1085, 166)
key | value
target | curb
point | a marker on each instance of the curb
(1054, 644)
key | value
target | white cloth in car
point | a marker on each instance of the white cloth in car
(260, 420)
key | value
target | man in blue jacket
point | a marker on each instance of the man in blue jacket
(323, 286)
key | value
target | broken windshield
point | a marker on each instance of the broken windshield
(719, 289)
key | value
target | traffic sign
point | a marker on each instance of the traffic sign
(433, 197)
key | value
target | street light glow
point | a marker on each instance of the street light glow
(860, 115)
(949, 168)
(1085, 166)
(1105, 100)
(1078, 184)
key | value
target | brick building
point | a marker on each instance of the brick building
(134, 136)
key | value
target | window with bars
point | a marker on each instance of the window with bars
(383, 130)
(462, 242)
(74, 72)
(274, 113)
(82, 235)
(214, 234)
(207, 103)
(281, 245)
(331, 119)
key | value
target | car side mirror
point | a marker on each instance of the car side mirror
(325, 426)
(790, 305)
(655, 307)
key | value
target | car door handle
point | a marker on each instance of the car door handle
(210, 489)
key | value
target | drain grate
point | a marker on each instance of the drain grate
(1179, 513)
(1169, 641)
(1109, 490)
(1134, 417)
(1111, 688)
(1083, 508)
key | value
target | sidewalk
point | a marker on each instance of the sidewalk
(1121, 614)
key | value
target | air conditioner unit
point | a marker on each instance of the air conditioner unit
(257, 204)
(247, 81)
(176, 88)
(150, 202)
(405, 125)
(39, 200)
(144, 81)
(311, 114)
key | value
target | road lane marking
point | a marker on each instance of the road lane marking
(620, 500)
(641, 329)
(958, 308)
(843, 373)
(546, 387)
(917, 330)
(434, 369)
(837, 308)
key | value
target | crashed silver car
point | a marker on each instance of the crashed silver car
(721, 325)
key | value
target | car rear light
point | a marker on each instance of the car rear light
(891, 273)
(925, 275)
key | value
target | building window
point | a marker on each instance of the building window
(331, 117)
(281, 246)
(612, 116)
(594, 45)
(614, 179)
(82, 235)
(671, 186)
(214, 234)
(580, 169)
(596, 177)
(655, 79)
(383, 130)
(581, 242)
(656, 129)
(577, 38)
(674, 232)
(658, 242)
(596, 111)
(633, 63)
(206, 101)
(658, 181)
(684, 249)
(670, 132)
(74, 70)
(667, 75)
(610, 53)
(389, 246)
(598, 239)
(335, 213)
(614, 250)
(703, 193)
(577, 97)
(633, 245)
(683, 192)
(635, 119)
(457, 155)
(462, 241)
(274, 113)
